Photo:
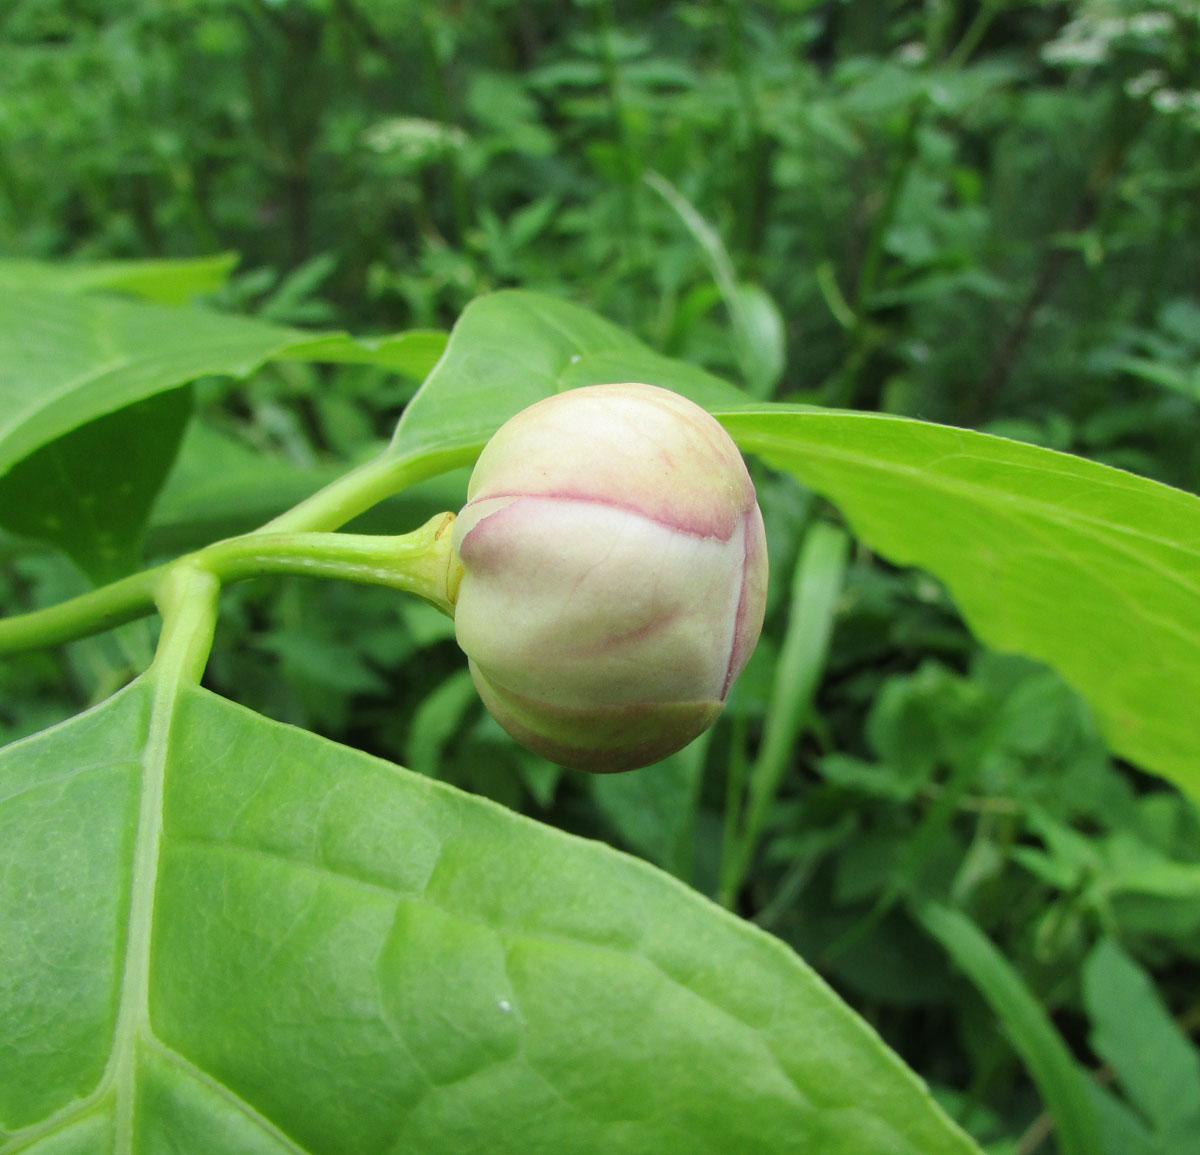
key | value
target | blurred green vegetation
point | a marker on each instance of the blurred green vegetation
(981, 214)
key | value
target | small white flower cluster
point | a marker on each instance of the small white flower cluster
(1105, 26)
(1089, 38)
(414, 138)
(1153, 85)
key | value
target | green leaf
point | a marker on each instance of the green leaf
(513, 348)
(1156, 1065)
(654, 809)
(437, 719)
(66, 360)
(1124, 1132)
(1062, 1084)
(816, 586)
(325, 953)
(761, 333)
(1092, 570)
(89, 493)
(1134, 867)
(167, 282)
(220, 486)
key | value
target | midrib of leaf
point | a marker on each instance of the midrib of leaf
(189, 617)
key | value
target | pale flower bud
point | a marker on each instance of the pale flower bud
(614, 574)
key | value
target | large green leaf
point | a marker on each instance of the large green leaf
(222, 934)
(66, 358)
(88, 428)
(1093, 570)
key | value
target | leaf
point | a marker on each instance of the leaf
(220, 486)
(1092, 570)
(66, 360)
(759, 331)
(167, 282)
(89, 493)
(1124, 1133)
(1156, 1065)
(437, 719)
(762, 337)
(306, 949)
(512, 348)
(1063, 1086)
(1134, 867)
(654, 809)
(816, 586)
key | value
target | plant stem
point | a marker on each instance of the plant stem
(868, 273)
(292, 543)
(630, 240)
(1054, 263)
(90, 613)
(974, 35)
(369, 484)
(421, 562)
(731, 874)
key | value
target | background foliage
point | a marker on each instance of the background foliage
(980, 215)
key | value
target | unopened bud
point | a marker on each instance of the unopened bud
(614, 574)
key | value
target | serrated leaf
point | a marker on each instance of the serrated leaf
(324, 953)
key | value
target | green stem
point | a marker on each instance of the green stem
(974, 35)
(366, 486)
(420, 563)
(291, 543)
(91, 613)
(730, 875)
(630, 241)
(844, 387)
(868, 275)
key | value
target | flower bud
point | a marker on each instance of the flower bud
(614, 574)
